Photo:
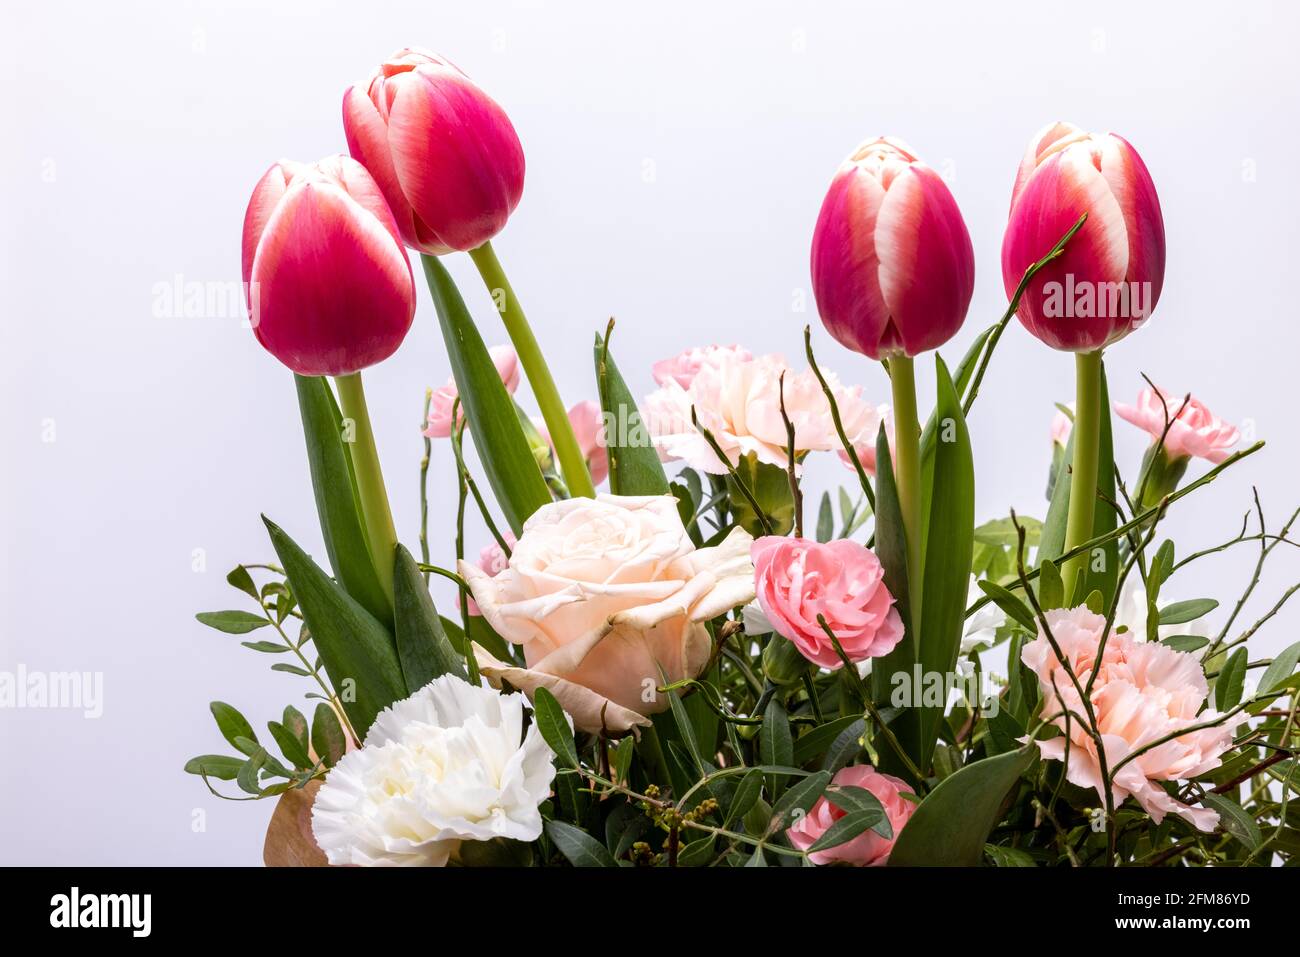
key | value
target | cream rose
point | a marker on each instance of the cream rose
(604, 593)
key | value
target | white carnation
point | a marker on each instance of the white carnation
(451, 763)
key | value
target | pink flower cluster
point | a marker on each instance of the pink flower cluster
(738, 396)
(868, 849)
(1143, 692)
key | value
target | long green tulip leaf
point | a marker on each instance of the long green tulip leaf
(358, 652)
(511, 469)
(634, 466)
(336, 497)
(422, 646)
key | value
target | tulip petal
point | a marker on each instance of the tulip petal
(927, 263)
(456, 156)
(1131, 184)
(1064, 187)
(334, 289)
(846, 263)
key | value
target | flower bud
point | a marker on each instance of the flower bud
(330, 290)
(892, 265)
(1107, 281)
(444, 153)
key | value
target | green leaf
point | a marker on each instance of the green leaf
(296, 724)
(745, 797)
(423, 650)
(578, 846)
(697, 853)
(1186, 642)
(1010, 603)
(231, 723)
(508, 462)
(238, 577)
(1007, 856)
(949, 548)
(327, 738)
(623, 754)
(1232, 679)
(846, 746)
(266, 647)
(634, 466)
(554, 727)
(289, 745)
(219, 766)
(770, 486)
(291, 669)
(814, 742)
(854, 799)
(1002, 532)
(825, 519)
(800, 796)
(775, 745)
(249, 774)
(950, 826)
(1051, 591)
(891, 549)
(337, 504)
(232, 622)
(1277, 673)
(355, 647)
(1235, 820)
(847, 828)
(1181, 612)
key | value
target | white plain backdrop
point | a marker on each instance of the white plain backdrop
(677, 156)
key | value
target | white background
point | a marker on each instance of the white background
(677, 156)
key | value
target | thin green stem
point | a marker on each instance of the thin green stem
(378, 517)
(572, 464)
(907, 473)
(424, 484)
(1083, 470)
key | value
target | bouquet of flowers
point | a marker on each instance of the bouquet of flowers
(697, 667)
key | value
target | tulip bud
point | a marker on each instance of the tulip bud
(443, 152)
(892, 265)
(1108, 279)
(330, 290)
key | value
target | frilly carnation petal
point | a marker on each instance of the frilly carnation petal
(1195, 431)
(1141, 693)
(450, 763)
(868, 849)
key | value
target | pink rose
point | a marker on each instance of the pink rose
(796, 580)
(1195, 432)
(1143, 691)
(604, 593)
(440, 406)
(683, 368)
(868, 849)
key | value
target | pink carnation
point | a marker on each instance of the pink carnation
(1195, 432)
(493, 560)
(868, 849)
(796, 580)
(1143, 691)
(444, 399)
(682, 368)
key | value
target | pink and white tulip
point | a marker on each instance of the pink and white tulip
(1108, 279)
(330, 290)
(444, 153)
(1143, 692)
(868, 849)
(1195, 431)
(892, 264)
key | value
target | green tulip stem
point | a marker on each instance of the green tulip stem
(907, 473)
(359, 438)
(572, 463)
(1083, 471)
